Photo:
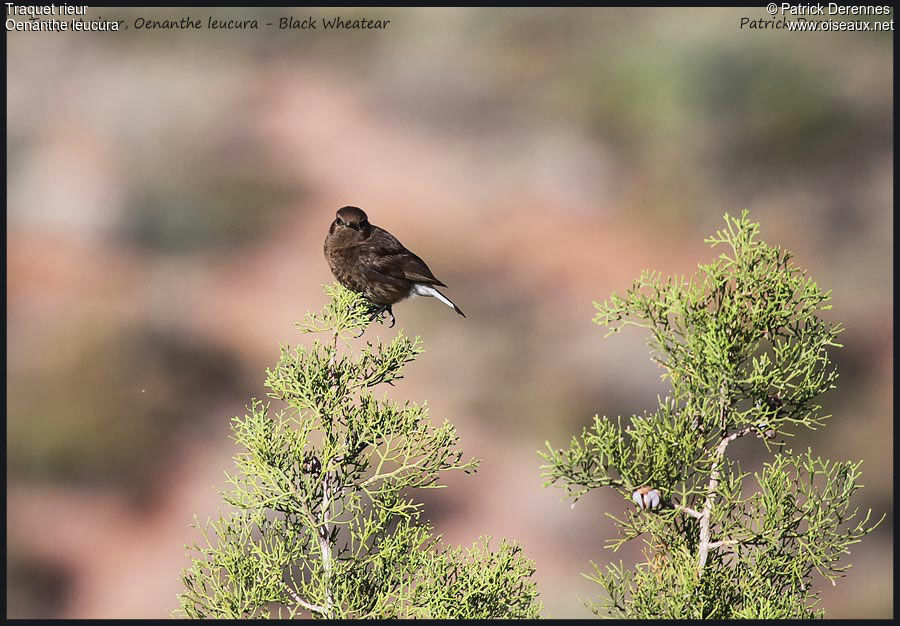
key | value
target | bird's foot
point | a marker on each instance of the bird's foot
(372, 318)
(378, 313)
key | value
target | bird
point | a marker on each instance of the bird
(369, 260)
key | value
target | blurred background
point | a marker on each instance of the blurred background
(169, 193)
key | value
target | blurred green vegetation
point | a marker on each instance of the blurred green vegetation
(102, 406)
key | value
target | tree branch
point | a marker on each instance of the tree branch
(325, 538)
(689, 511)
(714, 476)
(325, 542)
(721, 544)
(306, 605)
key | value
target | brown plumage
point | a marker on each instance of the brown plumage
(369, 260)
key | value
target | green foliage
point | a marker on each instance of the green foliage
(744, 348)
(324, 522)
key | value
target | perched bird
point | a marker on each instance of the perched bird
(371, 261)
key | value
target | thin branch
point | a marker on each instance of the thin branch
(306, 605)
(721, 544)
(333, 358)
(325, 537)
(711, 493)
(689, 511)
(325, 541)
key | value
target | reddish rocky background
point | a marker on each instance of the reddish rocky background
(169, 192)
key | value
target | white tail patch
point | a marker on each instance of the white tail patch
(427, 290)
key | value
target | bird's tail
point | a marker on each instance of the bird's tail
(428, 290)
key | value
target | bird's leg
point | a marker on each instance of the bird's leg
(378, 313)
(391, 313)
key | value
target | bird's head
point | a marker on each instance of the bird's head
(350, 224)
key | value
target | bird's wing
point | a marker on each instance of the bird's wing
(379, 280)
(386, 255)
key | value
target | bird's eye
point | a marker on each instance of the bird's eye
(339, 221)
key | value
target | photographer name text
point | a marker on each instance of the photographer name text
(818, 18)
(832, 8)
